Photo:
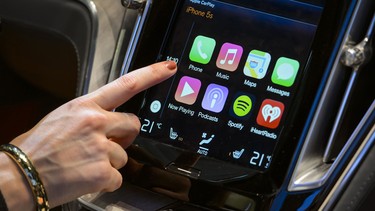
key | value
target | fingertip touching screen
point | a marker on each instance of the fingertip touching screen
(240, 64)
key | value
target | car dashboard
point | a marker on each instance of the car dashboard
(271, 107)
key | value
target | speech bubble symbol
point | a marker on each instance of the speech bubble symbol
(285, 71)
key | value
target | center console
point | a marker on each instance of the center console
(222, 133)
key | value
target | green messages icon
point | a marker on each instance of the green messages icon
(285, 71)
(202, 49)
(242, 105)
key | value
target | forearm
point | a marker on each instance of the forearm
(14, 186)
(79, 147)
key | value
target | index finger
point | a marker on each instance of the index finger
(122, 89)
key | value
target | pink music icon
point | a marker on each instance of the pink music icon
(229, 57)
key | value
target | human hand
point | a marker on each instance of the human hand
(79, 147)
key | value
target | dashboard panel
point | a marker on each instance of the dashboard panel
(272, 107)
(233, 135)
(232, 126)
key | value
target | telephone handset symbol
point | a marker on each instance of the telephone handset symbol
(199, 49)
(202, 49)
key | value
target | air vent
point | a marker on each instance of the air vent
(325, 145)
(354, 56)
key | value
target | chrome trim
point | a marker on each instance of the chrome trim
(340, 116)
(354, 57)
(135, 38)
(87, 201)
(310, 171)
(133, 4)
(329, 168)
(116, 57)
(123, 42)
(90, 5)
(350, 170)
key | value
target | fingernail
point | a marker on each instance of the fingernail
(171, 65)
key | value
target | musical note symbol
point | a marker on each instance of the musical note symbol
(229, 57)
(231, 51)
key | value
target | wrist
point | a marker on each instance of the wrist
(14, 186)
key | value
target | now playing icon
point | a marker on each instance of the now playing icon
(187, 90)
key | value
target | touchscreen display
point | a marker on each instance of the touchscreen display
(240, 64)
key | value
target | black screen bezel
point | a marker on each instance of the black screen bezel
(148, 51)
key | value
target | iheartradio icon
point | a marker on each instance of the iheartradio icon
(270, 113)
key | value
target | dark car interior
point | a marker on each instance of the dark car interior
(272, 107)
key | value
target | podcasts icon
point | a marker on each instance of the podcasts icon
(214, 98)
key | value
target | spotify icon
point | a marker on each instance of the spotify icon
(242, 105)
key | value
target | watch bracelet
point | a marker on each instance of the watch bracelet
(32, 176)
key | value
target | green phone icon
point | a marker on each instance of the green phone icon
(202, 49)
(285, 71)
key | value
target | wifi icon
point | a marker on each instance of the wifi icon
(242, 105)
